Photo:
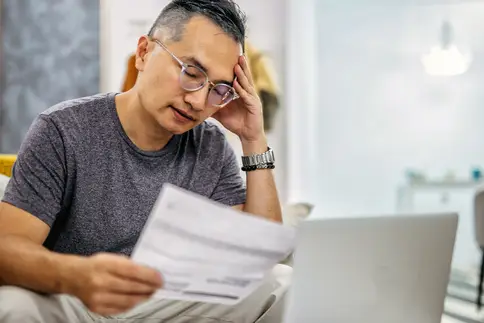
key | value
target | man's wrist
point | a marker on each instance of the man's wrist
(252, 147)
(68, 276)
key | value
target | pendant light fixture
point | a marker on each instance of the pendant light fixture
(446, 59)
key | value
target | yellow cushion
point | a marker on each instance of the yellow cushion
(6, 164)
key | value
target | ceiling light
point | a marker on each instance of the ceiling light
(446, 59)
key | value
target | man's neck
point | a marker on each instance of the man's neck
(140, 127)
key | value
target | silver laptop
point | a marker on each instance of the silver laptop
(388, 269)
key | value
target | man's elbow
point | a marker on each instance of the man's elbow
(273, 215)
(277, 217)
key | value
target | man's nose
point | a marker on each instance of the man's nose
(197, 99)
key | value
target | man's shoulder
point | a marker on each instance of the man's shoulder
(78, 106)
(69, 119)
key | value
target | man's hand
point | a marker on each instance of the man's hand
(243, 116)
(111, 284)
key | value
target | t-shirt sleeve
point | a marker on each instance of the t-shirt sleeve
(38, 175)
(231, 188)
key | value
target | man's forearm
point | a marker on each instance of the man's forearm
(26, 264)
(262, 197)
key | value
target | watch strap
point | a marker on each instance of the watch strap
(265, 158)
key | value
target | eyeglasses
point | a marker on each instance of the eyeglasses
(193, 78)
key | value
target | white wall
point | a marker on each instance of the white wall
(377, 113)
(301, 87)
(122, 24)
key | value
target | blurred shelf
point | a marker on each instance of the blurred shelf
(465, 183)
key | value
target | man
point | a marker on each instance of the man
(89, 171)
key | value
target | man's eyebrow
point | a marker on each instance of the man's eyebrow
(196, 62)
(192, 60)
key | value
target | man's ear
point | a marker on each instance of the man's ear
(144, 47)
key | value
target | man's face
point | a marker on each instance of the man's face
(203, 44)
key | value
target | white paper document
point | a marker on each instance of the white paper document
(208, 252)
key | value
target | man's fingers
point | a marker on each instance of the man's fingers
(129, 270)
(243, 80)
(246, 69)
(124, 286)
(240, 90)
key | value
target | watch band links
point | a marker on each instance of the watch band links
(259, 161)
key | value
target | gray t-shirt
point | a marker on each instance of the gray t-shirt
(79, 172)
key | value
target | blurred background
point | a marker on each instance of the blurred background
(372, 106)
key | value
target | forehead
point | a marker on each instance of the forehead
(210, 46)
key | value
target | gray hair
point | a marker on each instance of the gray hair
(224, 13)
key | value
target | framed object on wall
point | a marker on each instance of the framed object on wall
(42, 68)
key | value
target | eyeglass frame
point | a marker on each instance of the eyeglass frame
(184, 67)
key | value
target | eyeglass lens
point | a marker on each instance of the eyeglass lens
(192, 79)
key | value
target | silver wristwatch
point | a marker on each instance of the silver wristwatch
(259, 160)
